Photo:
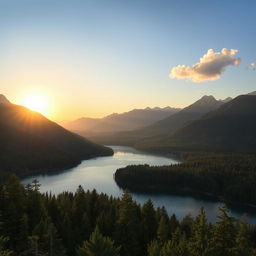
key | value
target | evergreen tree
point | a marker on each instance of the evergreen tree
(128, 227)
(173, 223)
(186, 225)
(177, 246)
(49, 240)
(3, 250)
(13, 211)
(44, 225)
(98, 245)
(149, 225)
(35, 185)
(68, 236)
(23, 233)
(81, 215)
(105, 222)
(224, 234)
(154, 248)
(243, 247)
(199, 242)
(35, 205)
(163, 229)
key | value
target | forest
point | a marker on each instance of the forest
(86, 223)
(229, 177)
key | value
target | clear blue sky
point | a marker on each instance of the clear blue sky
(98, 57)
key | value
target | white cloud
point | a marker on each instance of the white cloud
(209, 68)
(252, 66)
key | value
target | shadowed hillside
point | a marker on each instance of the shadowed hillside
(164, 126)
(32, 143)
(231, 128)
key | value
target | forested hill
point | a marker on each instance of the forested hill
(230, 177)
(230, 128)
(32, 143)
(87, 223)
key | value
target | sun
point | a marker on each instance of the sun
(37, 103)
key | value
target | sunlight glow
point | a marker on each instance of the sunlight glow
(37, 103)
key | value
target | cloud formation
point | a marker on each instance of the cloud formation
(209, 68)
(252, 66)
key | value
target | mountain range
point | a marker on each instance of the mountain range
(131, 120)
(32, 143)
(207, 125)
(230, 128)
(164, 126)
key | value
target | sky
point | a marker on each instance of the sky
(93, 58)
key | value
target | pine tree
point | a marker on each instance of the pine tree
(23, 233)
(149, 224)
(128, 231)
(13, 212)
(3, 250)
(186, 225)
(242, 240)
(35, 205)
(199, 242)
(48, 238)
(177, 246)
(154, 248)
(173, 223)
(105, 222)
(98, 245)
(35, 185)
(163, 229)
(81, 215)
(224, 234)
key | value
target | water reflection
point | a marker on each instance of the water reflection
(98, 173)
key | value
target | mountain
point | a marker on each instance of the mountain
(230, 128)
(83, 124)
(164, 126)
(4, 100)
(32, 143)
(226, 100)
(188, 114)
(131, 120)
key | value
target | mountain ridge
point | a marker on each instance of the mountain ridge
(115, 122)
(32, 143)
(165, 126)
(4, 100)
(230, 128)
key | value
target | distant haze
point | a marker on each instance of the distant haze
(131, 120)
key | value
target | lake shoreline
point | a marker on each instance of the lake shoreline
(97, 173)
(197, 194)
(59, 170)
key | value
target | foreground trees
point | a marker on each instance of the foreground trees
(90, 224)
(98, 245)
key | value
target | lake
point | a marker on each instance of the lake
(98, 174)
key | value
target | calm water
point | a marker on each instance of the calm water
(98, 173)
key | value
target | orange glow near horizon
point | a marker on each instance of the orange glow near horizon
(37, 102)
